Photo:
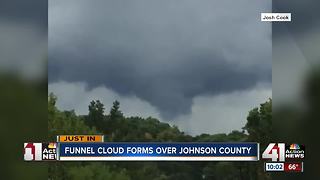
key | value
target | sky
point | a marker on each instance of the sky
(23, 38)
(201, 65)
(302, 39)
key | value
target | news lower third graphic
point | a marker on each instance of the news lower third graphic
(158, 151)
(93, 148)
(40, 151)
(285, 158)
(80, 138)
(278, 157)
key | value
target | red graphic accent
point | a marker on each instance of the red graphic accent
(33, 150)
(293, 167)
(276, 148)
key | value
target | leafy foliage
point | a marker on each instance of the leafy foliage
(117, 127)
(96, 111)
(259, 123)
(97, 171)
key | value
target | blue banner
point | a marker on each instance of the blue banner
(159, 151)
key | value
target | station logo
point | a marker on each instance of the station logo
(295, 151)
(32, 151)
(49, 151)
(279, 152)
(275, 152)
(40, 151)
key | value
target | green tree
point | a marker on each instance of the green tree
(96, 171)
(96, 115)
(66, 122)
(259, 123)
(221, 170)
(60, 123)
(117, 127)
(117, 124)
(259, 127)
(115, 112)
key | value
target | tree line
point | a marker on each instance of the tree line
(119, 128)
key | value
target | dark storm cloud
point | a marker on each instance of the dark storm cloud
(305, 16)
(303, 29)
(164, 52)
(301, 39)
(31, 11)
(23, 38)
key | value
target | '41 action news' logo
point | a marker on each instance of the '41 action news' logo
(281, 152)
(40, 151)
